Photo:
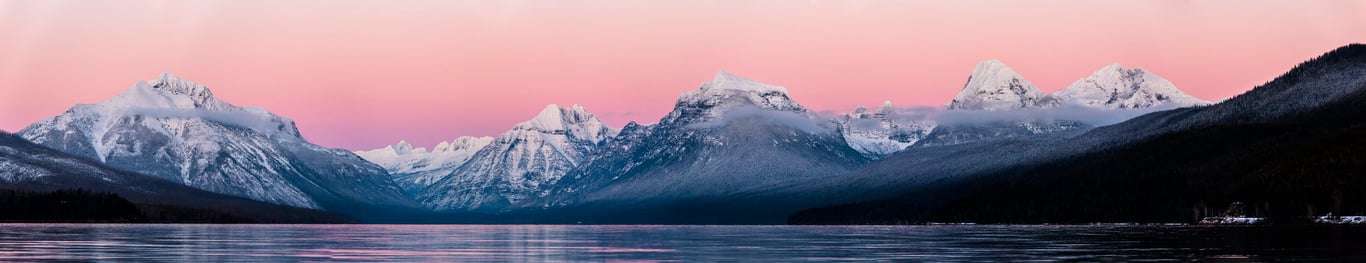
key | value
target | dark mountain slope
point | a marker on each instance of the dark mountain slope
(1293, 147)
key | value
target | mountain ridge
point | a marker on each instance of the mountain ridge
(521, 163)
(729, 136)
(733, 150)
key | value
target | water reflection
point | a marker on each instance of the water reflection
(408, 243)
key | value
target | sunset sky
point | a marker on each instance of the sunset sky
(364, 74)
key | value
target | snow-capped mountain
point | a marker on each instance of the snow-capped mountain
(1116, 87)
(880, 133)
(726, 92)
(177, 130)
(26, 166)
(731, 136)
(520, 164)
(416, 168)
(994, 86)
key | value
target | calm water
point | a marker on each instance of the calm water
(408, 243)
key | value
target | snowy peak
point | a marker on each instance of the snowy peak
(554, 117)
(549, 117)
(725, 80)
(167, 91)
(175, 85)
(994, 86)
(143, 94)
(1117, 87)
(575, 122)
(887, 109)
(464, 143)
(170, 97)
(381, 156)
(877, 134)
(168, 101)
(862, 112)
(403, 147)
(177, 130)
(403, 159)
(727, 86)
(555, 134)
(519, 164)
(728, 91)
(1114, 67)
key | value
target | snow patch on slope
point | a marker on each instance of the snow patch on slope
(522, 163)
(803, 122)
(994, 86)
(726, 92)
(415, 168)
(1116, 87)
(888, 130)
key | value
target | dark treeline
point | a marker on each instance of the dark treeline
(1182, 178)
(65, 205)
(81, 205)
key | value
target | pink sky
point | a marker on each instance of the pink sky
(363, 74)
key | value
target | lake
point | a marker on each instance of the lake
(648, 243)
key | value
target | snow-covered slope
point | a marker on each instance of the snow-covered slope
(416, 168)
(730, 137)
(25, 166)
(725, 92)
(880, 133)
(1116, 87)
(177, 130)
(993, 86)
(520, 164)
(22, 162)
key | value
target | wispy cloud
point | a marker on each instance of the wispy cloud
(1088, 115)
(1070, 112)
(243, 119)
(799, 121)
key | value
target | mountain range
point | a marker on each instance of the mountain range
(736, 150)
(416, 168)
(522, 164)
(731, 137)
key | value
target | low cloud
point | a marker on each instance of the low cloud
(802, 122)
(1069, 112)
(903, 113)
(249, 120)
(1088, 115)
